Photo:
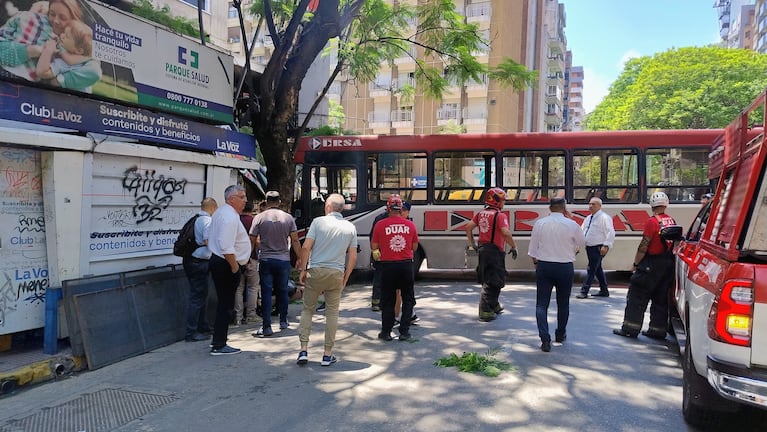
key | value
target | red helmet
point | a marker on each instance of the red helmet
(394, 203)
(495, 198)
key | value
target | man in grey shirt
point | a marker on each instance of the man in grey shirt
(276, 233)
(330, 249)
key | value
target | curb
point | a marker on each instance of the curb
(38, 372)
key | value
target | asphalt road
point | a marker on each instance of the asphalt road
(595, 381)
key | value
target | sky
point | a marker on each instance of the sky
(603, 34)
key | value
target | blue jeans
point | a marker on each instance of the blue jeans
(550, 275)
(594, 269)
(197, 272)
(274, 275)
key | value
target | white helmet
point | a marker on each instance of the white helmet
(659, 199)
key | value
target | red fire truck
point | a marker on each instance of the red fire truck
(720, 297)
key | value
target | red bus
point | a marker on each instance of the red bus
(444, 177)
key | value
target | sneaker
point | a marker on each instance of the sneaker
(224, 350)
(266, 332)
(498, 309)
(582, 295)
(414, 319)
(546, 346)
(259, 332)
(321, 307)
(602, 294)
(196, 337)
(396, 322)
(375, 308)
(284, 324)
(328, 360)
(385, 336)
(560, 338)
(404, 336)
(303, 358)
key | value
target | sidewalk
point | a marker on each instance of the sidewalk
(25, 363)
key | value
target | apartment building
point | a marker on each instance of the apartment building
(573, 102)
(529, 31)
(532, 32)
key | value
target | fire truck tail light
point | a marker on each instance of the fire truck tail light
(729, 320)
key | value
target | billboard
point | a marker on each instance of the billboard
(44, 107)
(93, 49)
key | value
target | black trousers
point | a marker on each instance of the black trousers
(651, 281)
(226, 284)
(396, 275)
(492, 274)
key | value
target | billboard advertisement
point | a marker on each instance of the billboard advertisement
(44, 107)
(90, 48)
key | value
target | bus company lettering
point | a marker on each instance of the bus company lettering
(318, 143)
(397, 229)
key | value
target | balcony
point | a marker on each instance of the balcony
(556, 46)
(553, 118)
(379, 120)
(474, 116)
(402, 119)
(555, 81)
(556, 64)
(479, 12)
(407, 58)
(380, 89)
(554, 98)
(446, 114)
(477, 88)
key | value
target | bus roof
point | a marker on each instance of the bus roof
(558, 140)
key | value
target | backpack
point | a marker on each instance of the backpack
(185, 243)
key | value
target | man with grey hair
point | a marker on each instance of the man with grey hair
(600, 235)
(330, 254)
(230, 247)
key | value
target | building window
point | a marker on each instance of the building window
(205, 4)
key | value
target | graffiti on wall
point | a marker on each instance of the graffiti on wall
(152, 193)
(23, 252)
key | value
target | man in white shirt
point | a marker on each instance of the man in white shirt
(553, 244)
(600, 235)
(229, 244)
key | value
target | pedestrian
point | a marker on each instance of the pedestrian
(375, 304)
(600, 235)
(554, 242)
(277, 234)
(246, 297)
(230, 248)
(393, 243)
(330, 251)
(494, 235)
(406, 206)
(196, 269)
(653, 276)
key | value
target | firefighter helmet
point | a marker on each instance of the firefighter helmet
(659, 199)
(495, 198)
(394, 203)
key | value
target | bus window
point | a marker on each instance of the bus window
(611, 175)
(404, 174)
(462, 176)
(533, 175)
(327, 180)
(682, 173)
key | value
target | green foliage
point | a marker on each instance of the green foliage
(452, 127)
(475, 363)
(145, 9)
(685, 88)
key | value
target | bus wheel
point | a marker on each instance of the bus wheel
(418, 258)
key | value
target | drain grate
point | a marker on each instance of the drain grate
(103, 410)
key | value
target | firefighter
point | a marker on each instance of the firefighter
(653, 276)
(494, 234)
